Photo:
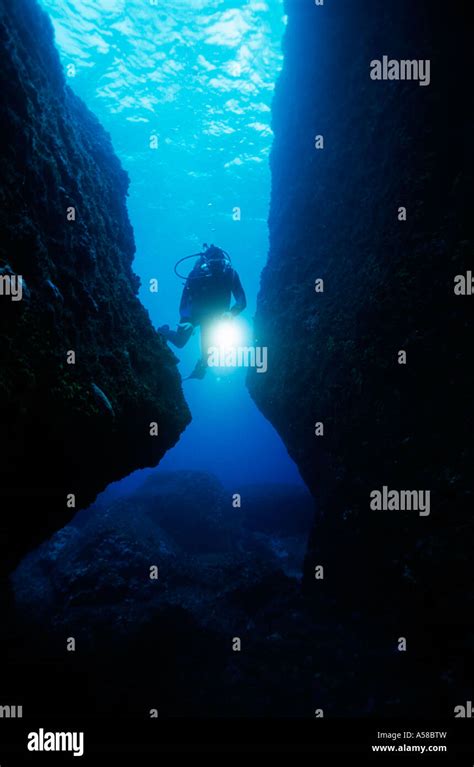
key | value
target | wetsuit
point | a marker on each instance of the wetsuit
(206, 297)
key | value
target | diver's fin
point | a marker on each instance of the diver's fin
(199, 371)
(164, 330)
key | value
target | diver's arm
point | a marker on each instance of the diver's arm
(239, 295)
(185, 305)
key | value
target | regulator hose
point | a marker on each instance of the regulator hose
(196, 255)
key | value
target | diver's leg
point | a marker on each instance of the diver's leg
(206, 340)
(201, 366)
(180, 336)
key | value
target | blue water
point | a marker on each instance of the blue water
(194, 78)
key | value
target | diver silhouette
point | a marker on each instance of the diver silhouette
(206, 298)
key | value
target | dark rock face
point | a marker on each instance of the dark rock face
(388, 286)
(68, 428)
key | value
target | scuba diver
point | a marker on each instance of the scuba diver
(206, 298)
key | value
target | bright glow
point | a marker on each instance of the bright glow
(227, 334)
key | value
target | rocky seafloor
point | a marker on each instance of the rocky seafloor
(167, 642)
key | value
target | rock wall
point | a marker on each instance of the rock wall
(67, 428)
(388, 287)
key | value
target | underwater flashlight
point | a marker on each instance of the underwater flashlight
(226, 344)
(226, 334)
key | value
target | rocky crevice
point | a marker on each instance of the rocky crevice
(388, 286)
(68, 428)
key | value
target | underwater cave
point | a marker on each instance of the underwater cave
(206, 548)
